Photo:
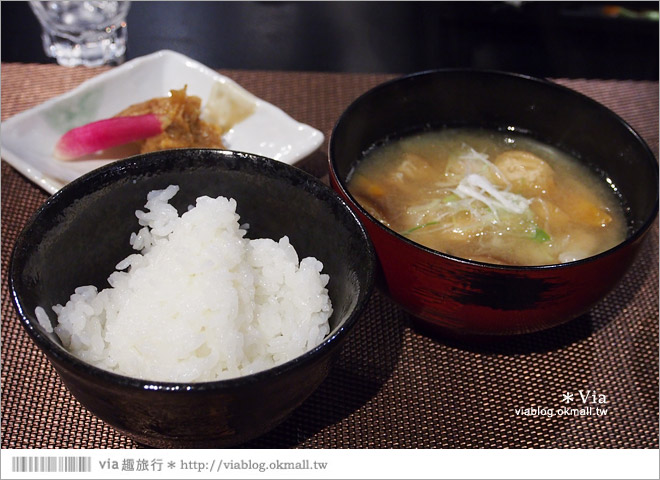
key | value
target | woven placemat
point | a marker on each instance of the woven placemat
(394, 386)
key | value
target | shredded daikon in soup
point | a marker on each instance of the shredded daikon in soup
(489, 196)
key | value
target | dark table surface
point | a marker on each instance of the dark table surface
(394, 386)
(598, 40)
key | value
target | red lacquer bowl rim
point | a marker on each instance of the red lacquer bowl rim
(339, 184)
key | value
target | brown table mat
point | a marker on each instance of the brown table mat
(393, 386)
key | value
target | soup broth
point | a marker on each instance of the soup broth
(489, 196)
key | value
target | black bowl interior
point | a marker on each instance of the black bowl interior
(547, 111)
(82, 232)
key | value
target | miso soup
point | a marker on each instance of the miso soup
(489, 196)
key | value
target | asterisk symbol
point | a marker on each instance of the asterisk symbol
(171, 464)
(568, 397)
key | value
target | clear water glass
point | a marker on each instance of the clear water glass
(89, 33)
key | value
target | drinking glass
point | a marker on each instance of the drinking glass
(89, 33)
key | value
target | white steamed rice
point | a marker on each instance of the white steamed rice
(199, 302)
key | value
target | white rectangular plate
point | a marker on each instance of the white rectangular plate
(29, 137)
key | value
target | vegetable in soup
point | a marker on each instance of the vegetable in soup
(489, 196)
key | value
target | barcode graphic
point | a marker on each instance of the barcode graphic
(51, 464)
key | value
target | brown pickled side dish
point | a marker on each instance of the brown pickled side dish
(182, 128)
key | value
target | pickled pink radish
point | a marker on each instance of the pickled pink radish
(103, 134)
